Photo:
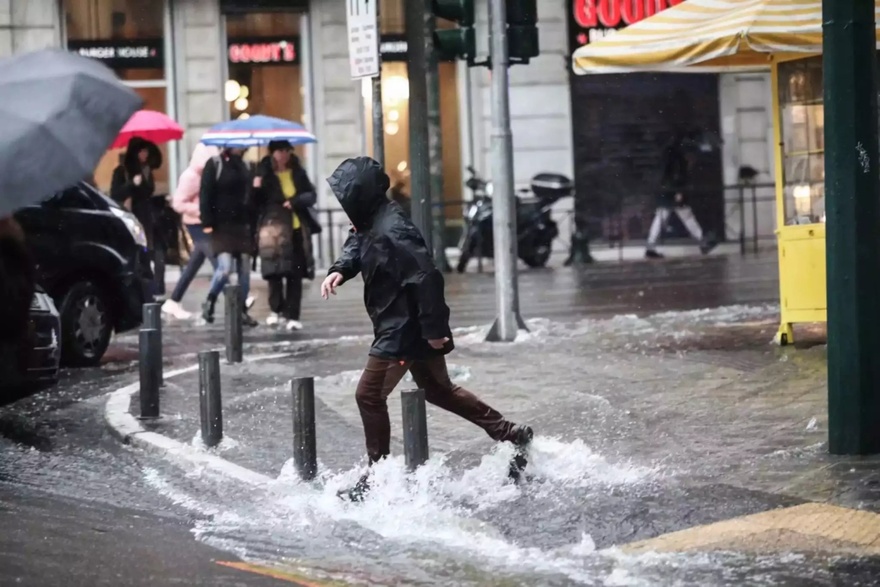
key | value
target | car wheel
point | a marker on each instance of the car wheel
(86, 325)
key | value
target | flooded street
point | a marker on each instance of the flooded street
(648, 424)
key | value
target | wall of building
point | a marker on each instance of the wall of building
(338, 104)
(28, 25)
(199, 57)
(747, 126)
(540, 106)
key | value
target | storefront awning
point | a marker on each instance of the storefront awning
(708, 35)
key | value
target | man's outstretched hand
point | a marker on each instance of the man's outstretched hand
(437, 343)
(330, 284)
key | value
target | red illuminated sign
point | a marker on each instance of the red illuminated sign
(263, 52)
(593, 19)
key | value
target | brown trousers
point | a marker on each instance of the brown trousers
(381, 376)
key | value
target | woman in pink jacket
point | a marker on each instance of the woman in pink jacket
(186, 203)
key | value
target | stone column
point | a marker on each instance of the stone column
(28, 25)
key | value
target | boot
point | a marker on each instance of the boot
(208, 310)
(652, 254)
(709, 243)
(522, 440)
(246, 320)
(358, 492)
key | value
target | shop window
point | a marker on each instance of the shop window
(265, 77)
(803, 140)
(395, 102)
(127, 36)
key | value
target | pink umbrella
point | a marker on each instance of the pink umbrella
(148, 125)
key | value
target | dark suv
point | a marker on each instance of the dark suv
(90, 256)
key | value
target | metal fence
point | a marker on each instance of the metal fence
(749, 218)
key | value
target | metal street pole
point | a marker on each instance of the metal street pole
(419, 143)
(508, 320)
(852, 197)
(435, 146)
(378, 112)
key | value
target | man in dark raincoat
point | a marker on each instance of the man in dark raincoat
(403, 294)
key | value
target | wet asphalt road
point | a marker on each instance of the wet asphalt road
(86, 511)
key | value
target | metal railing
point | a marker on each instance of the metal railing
(749, 219)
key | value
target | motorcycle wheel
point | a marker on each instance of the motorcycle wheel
(538, 257)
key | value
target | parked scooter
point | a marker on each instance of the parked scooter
(535, 228)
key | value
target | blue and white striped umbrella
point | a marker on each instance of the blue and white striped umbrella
(255, 131)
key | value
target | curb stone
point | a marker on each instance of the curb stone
(126, 428)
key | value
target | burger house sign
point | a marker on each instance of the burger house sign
(594, 19)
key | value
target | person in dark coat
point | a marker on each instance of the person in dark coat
(283, 194)
(226, 216)
(132, 186)
(671, 199)
(403, 294)
(17, 284)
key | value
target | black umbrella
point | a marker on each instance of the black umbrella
(59, 113)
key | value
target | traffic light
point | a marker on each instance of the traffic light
(457, 43)
(522, 30)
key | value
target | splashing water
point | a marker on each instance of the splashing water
(440, 512)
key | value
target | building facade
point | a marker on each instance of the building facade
(204, 61)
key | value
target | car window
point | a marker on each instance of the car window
(72, 198)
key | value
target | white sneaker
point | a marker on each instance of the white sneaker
(175, 310)
(294, 325)
(249, 302)
(274, 319)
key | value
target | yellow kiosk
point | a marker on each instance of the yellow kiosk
(786, 37)
(799, 130)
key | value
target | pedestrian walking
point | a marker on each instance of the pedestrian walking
(404, 297)
(675, 181)
(283, 197)
(185, 202)
(133, 186)
(224, 202)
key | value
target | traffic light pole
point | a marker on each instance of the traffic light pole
(435, 149)
(508, 320)
(852, 198)
(378, 112)
(418, 14)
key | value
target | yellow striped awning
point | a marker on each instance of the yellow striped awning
(709, 35)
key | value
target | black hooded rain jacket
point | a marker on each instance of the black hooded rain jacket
(403, 289)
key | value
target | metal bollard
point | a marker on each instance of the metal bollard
(234, 309)
(305, 455)
(149, 390)
(415, 428)
(152, 319)
(210, 406)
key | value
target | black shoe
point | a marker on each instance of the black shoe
(358, 492)
(208, 311)
(246, 320)
(522, 440)
(707, 245)
(652, 254)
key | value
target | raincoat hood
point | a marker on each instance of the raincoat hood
(135, 145)
(360, 185)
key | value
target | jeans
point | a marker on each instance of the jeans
(224, 270)
(381, 376)
(201, 251)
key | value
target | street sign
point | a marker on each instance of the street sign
(363, 38)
